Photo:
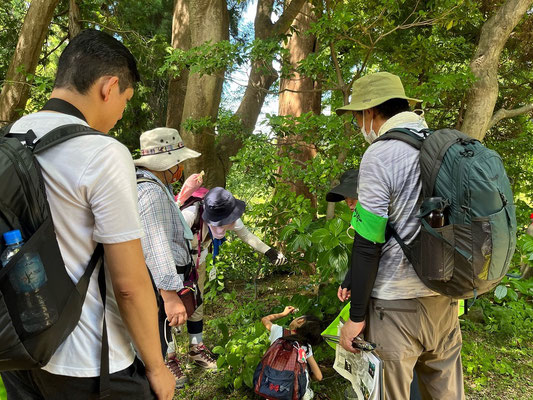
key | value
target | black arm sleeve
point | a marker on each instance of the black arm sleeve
(347, 282)
(364, 268)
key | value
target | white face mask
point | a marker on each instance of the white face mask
(219, 232)
(371, 136)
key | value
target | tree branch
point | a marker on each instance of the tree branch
(340, 79)
(47, 54)
(503, 113)
(289, 14)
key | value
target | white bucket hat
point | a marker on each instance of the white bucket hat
(163, 148)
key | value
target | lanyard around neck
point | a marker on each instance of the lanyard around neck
(64, 107)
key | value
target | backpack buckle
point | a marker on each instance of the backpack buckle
(467, 152)
(30, 139)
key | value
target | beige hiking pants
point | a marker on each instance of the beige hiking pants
(422, 334)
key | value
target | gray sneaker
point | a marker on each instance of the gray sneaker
(201, 356)
(174, 366)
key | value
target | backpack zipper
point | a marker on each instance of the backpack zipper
(465, 154)
(19, 168)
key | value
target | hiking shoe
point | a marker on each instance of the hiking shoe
(201, 356)
(174, 366)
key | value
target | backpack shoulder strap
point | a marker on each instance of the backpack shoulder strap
(5, 130)
(286, 332)
(405, 135)
(198, 221)
(28, 138)
(190, 201)
(62, 134)
(142, 179)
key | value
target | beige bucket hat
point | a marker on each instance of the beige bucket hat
(162, 148)
(375, 89)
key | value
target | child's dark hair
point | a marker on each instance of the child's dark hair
(309, 332)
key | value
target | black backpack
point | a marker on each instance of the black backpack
(23, 206)
(471, 253)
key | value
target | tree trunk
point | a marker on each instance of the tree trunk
(16, 89)
(482, 97)
(209, 21)
(262, 76)
(74, 25)
(177, 87)
(297, 95)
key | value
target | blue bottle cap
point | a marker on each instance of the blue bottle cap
(13, 237)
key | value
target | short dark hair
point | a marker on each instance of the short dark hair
(392, 107)
(309, 333)
(91, 55)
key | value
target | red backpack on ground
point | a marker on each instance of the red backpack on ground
(281, 372)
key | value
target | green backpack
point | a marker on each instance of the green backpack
(471, 253)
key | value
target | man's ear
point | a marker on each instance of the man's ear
(107, 86)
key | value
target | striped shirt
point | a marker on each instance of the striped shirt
(164, 244)
(389, 187)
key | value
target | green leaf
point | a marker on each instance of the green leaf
(323, 258)
(237, 382)
(223, 328)
(332, 242)
(221, 361)
(248, 376)
(300, 242)
(287, 232)
(336, 226)
(251, 359)
(449, 25)
(320, 235)
(234, 360)
(512, 295)
(500, 292)
(218, 350)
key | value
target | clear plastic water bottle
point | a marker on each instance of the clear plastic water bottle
(28, 280)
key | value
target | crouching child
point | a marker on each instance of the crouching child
(283, 372)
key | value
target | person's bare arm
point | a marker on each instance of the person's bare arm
(316, 373)
(136, 301)
(267, 321)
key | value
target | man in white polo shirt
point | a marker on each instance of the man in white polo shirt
(91, 189)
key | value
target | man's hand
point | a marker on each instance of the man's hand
(162, 382)
(288, 310)
(343, 294)
(348, 332)
(174, 308)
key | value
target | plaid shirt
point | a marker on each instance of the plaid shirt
(164, 244)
